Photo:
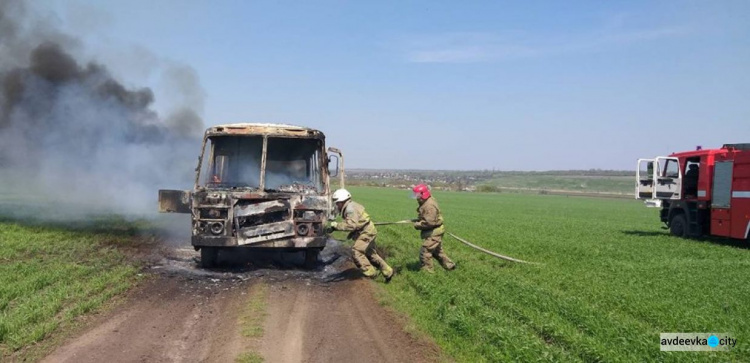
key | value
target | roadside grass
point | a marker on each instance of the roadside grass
(609, 282)
(52, 273)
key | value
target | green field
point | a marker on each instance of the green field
(52, 273)
(610, 281)
(576, 183)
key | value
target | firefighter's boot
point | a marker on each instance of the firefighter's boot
(387, 273)
(370, 272)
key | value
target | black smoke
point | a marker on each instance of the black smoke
(73, 134)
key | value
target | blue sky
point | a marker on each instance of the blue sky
(446, 84)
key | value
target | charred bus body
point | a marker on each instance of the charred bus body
(259, 186)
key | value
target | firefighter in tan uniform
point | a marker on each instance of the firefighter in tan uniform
(363, 232)
(430, 222)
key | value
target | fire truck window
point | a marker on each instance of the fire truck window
(671, 169)
(646, 170)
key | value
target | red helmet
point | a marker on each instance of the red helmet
(421, 191)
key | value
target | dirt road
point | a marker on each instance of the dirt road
(184, 314)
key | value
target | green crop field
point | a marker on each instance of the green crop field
(52, 273)
(576, 183)
(609, 282)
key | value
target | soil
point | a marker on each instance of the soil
(183, 313)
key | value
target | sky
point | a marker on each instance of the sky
(506, 85)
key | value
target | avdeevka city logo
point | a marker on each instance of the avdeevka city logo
(706, 342)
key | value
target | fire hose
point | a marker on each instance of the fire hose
(494, 254)
(405, 221)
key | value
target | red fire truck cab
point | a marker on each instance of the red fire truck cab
(701, 192)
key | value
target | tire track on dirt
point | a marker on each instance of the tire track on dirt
(167, 320)
(186, 314)
(339, 322)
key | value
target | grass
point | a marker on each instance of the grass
(50, 275)
(577, 183)
(254, 313)
(610, 281)
(251, 320)
(251, 357)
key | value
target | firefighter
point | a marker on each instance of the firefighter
(430, 222)
(363, 232)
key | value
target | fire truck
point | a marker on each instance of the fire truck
(701, 192)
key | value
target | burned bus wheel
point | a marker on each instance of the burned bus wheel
(209, 256)
(678, 226)
(311, 257)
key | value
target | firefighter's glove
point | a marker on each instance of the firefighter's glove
(333, 225)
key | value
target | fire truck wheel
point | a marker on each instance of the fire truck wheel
(209, 255)
(678, 226)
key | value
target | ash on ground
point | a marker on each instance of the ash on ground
(243, 264)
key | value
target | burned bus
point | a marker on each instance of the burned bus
(259, 186)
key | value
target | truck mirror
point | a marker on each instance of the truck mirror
(333, 165)
(174, 201)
